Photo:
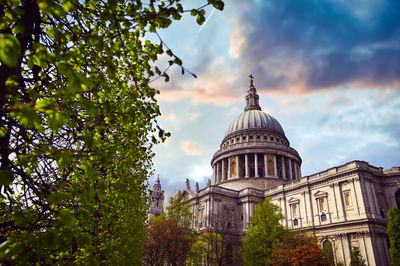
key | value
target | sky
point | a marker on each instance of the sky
(328, 71)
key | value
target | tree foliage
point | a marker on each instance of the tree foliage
(217, 239)
(299, 249)
(170, 236)
(178, 208)
(168, 241)
(356, 258)
(265, 234)
(78, 121)
(393, 231)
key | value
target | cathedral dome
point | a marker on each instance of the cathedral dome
(254, 119)
(254, 151)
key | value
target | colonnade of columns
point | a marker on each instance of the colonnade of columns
(256, 165)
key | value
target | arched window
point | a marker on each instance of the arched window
(295, 222)
(327, 246)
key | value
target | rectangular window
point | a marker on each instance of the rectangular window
(347, 199)
(251, 137)
(321, 202)
(270, 165)
(295, 209)
(233, 167)
(201, 215)
(258, 137)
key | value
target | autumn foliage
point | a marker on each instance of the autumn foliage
(168, 241)
(299, 249)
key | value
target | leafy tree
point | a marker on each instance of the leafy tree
(299, 249)
(218, 238)
(198, 253)
(178, 208)
(393, 232)
(356, 258)
(170, 236)
(265, 234)
(168, 241)
(78, 121)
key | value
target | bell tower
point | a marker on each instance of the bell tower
(156, 199)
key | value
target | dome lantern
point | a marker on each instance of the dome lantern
(252, 97)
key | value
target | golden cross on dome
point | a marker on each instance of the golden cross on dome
(251, 79)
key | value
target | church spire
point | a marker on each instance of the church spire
(252, 97)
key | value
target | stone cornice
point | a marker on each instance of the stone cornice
(256, 148)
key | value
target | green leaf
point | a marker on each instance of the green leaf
(64, 69)
(200, 19)
(50, 238)
(12, 82)
(19, 27)
(6, 177)
(57, 197)
(65, 159)
(52, 8)
(67, 218)
(10, 49)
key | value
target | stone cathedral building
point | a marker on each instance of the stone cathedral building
(344, 206)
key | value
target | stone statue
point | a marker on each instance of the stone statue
(197, 187)
(187, 184)
(209, 183)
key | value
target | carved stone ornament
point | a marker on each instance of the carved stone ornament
(197, 187)
(187, 183)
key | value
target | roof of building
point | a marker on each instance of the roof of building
(253, 117)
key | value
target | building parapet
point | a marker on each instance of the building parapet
(393, 170)
(330, 172)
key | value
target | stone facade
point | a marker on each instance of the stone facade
(344, 206)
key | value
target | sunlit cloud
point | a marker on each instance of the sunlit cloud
(191, 148)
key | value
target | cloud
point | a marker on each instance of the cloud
(193, 117)
(319, 44)
(191, 148)
(171, 117)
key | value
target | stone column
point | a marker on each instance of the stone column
(246, 165)
(214, 176)
(374, 201)
(265, 166)
(255, 165)
(283, 168)
(340, 203)
(245, 211)
(218, 176)
(223, 169)
(237, 167)
(290, 169)
(229, 168)
(275, 168)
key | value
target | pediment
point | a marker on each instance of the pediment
(320, 194)
(293, 200)
(188, 194)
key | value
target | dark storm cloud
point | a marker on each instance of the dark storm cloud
(334, 43)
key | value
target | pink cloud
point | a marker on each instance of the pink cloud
(191, 148)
